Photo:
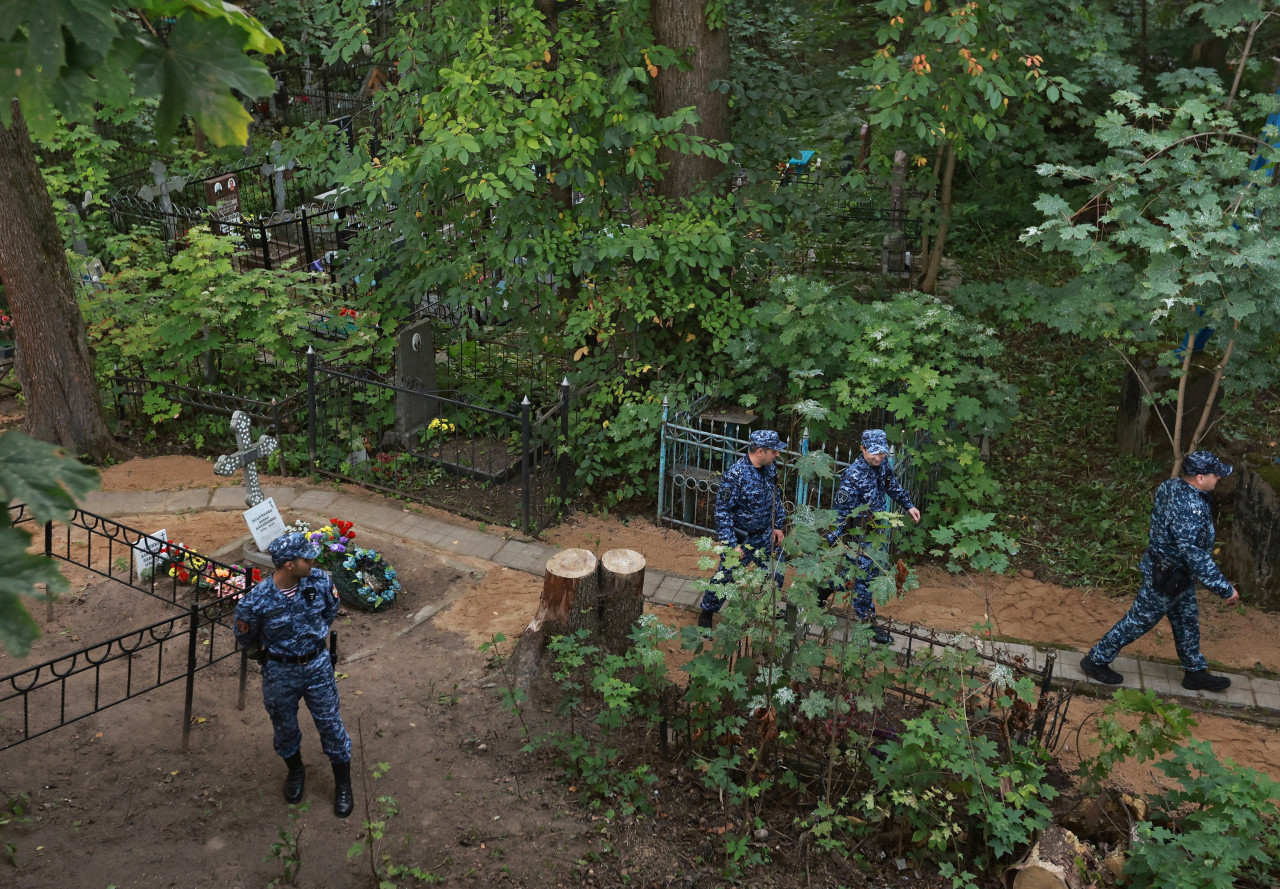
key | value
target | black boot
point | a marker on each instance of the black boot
(704, 619)
(343, 800)
(1203, 680)
(296, 780)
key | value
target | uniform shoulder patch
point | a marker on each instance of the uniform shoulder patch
(242, 625)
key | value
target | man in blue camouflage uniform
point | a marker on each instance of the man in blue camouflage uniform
(749, 514)
(1180, 554)
(287, 619)
(864, 490)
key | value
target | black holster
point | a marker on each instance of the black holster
(1169, 579)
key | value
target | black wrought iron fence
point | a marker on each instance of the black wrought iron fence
(306, 238)
(440, 446)
(70, 687)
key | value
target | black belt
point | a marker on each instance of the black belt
(296, 659)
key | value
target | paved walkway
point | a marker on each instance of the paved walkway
(660, 587)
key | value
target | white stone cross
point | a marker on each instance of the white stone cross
(246, 457)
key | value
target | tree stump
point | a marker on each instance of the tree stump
(621, 597)
(570, 601)
(1052, 862)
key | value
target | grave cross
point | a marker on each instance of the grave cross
(161, 190)
(276, 170)
(246, 457)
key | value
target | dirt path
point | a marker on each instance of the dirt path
(113, 802)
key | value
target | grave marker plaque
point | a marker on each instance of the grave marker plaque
(223, 196)
(146, 552)
(265, 523)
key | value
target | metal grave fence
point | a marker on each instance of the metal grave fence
(508, 467)
(44, 697)
(696, 449)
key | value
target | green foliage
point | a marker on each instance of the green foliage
(65, 57)
(158, 318)
(286, 848)
(966, 62)
(764, 694)
(14, 811)
(48, 481)
(1178, 235)
(913, 355)
(385, 872)
(1218, 828)
(1162, 727)
(938, 775)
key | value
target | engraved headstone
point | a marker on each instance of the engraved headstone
(415, 370)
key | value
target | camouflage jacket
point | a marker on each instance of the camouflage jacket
(865, 485)
(288, 626)
(1182, 534)
(748, 500)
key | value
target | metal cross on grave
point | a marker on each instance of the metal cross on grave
(246, 457)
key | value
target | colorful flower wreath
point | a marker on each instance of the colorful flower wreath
(365, 580)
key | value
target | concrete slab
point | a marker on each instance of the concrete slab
(313, 500)
(283, 496)
(1240, 694)
(668, 589)
(1157, 672)
(687, 598)
(192, 499)
(1267, 699)
(228, 498)
(471, 543)
(116, 503)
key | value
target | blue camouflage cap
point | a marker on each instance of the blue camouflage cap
(875, 441)
(766, 438)
(1204, 463)
(294, 545)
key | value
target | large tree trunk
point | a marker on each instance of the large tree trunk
(944, 220)
(52, 358)
(682, 26)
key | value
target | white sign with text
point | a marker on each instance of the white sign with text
(265, 523)
(146, 552)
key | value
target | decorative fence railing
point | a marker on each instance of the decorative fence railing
(442, 447)
(70, 687)
(308, 237)
(1041, 723)
(696, 449)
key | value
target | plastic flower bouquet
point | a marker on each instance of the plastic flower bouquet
(333, 540)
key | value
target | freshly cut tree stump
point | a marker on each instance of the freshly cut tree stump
(621, 597)
(1051, 862)
(570, 601)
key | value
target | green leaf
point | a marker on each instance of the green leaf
(22, 571)
(255, 37)
(194, 75)
(42, 476)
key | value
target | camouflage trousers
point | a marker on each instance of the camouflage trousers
(283, 685)
(757, 550)
(1148, 607)
(864, 570)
